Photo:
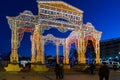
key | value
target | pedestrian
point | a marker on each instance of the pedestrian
(115, 67)
(61, 71)
(57, 71)
(92, 68)
(104, 72)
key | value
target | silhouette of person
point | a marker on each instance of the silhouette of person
(57, 71)
(61, 71)
(104, 72)
(92, 68)
(115, 67)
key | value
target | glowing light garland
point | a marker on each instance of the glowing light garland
(56, 14)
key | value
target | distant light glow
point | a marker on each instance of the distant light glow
(116, 57)
(110, 58)
(118, 52)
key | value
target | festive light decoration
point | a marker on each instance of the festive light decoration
(56, 14)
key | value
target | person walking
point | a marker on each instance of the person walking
(115, 67)
(104, 72)
(57, 71)
(61, 71)
(92, 68)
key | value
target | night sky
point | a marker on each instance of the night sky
(103, 14)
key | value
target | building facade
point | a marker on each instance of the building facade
(110, 48)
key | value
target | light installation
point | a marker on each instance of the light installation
(56, 14)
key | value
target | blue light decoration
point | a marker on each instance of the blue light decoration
(90, 53)
(73, 55)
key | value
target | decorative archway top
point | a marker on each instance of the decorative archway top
(50, 38)
(73, 34)
(59, 3)
(89, 30)
(25, 19)
(89, 38)
(48, 12)
(89, 27)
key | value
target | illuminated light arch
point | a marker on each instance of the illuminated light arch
(90, 38)
(21, 31)
(73, 41)
(48, 13)
(73, 38)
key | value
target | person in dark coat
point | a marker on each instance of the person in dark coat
(92, 68)
(115, 67)
(104, 72)
(57, 71)
(61, 71)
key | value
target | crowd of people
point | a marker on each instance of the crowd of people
(103, 71)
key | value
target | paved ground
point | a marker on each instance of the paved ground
(51, 76)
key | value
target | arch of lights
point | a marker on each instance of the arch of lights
(56, 14)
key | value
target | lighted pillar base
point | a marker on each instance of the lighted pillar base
(66, 66)
(39, 67)
(12, 67)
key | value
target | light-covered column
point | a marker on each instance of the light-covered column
(83, 58)
(33, 49)
(66, 51)
(81, 52)
(38, 43)
(97, 51)
(42, 54)
(57, 52)
(14, 54)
